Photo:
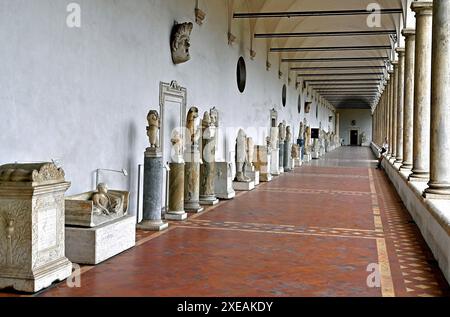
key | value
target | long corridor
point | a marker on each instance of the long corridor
(326, 229)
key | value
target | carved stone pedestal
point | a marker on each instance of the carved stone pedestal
(32, 250)
(263, 163)
(251, 172)
(281, 155)
(92, 246)
(153, 183)
(287, 164)
(242, 186)
(275, 163)
(224, 181)
(176, 193)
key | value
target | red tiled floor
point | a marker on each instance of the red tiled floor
(313, 232)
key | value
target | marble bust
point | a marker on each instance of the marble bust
(180, 42)
(153, 128)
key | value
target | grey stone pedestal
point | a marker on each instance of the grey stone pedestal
(153, 182)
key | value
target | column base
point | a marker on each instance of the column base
(226, 196)
(176, 216)
(193, 207)
(209, 201)
(152, 225)
(437, 192)
(39, 279)
(415, 177)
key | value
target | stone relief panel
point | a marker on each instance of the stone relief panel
(15, 233)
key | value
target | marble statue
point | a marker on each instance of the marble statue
(180, 42)
(282, 131)
(301, 132)
(295, 152)
(153, 128)
(191, 126)
(308, 140)
(104, 202)
(177, 146)
(250, 151)
(241, 157)
(192, 158)
(274, 137)
(207, 169)
(288, 134)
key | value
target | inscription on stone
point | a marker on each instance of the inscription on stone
(47, 229)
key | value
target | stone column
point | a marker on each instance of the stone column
(281, 154)
(389, 112)
(394, 110)
(338, 126)
(175, 209)
(439, 185)
(400, 103)
(408, 109)
(192, 180)
(153, 183)
(422, 91)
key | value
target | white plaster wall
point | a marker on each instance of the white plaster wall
(363, 118)
(82, 95)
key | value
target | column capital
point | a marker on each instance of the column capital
(422, 7)
(400, 50)
(408, 32)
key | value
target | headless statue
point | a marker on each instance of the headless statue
(241, 157)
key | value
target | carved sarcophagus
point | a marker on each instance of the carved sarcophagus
(81, 211)
(32, 247)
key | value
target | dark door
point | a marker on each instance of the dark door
(354, 138)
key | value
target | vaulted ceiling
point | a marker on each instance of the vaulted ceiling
(329, 46)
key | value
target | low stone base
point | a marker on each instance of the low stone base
(194, 211)
(436, 196)
(243, 187)
(265, 178)
(226, 196)
(297, 163)
(40, 279)
(176, 216)
(254, 176)
(149, 225)
(417, 179)
(281, 170)
(92, 246)
(209, 202)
